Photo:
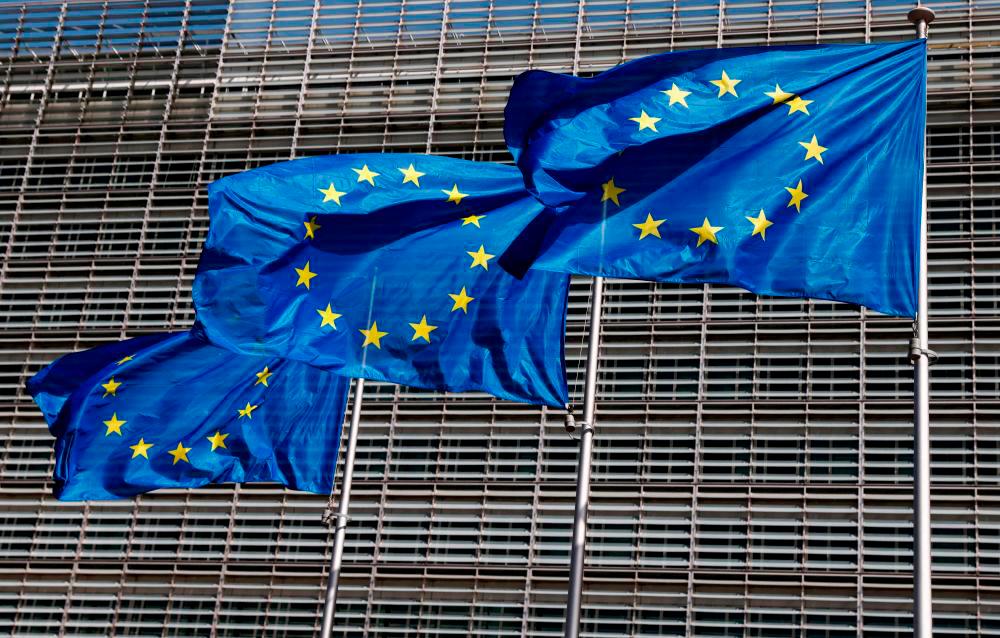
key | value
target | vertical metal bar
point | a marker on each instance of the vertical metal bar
(863, 396)
(438, 66)
(921, 17)
(484, 71)
(394, 76)
(577, 550)
(262, 80)
(720, 27)
(349, 75)
(21, 609)
(371, 622)
(227, 549)
(341, 516)
(300, 104)
(578, 40)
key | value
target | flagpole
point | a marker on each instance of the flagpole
(341, 515)
(578, 547)
(921, 357)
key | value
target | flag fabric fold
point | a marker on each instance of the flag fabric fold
(174, 411)
(383, 267)
(792, 171)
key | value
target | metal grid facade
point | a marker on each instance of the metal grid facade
(752, 464)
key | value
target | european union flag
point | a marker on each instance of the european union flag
(383, 267)
(790, 171)
(172, 410)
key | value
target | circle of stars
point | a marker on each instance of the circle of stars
(726, 89)
(371, 334)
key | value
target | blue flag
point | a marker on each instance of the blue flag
(790, 171)
(384, 267)
(172, 410)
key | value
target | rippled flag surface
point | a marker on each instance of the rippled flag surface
(790, 171)
(172, 410)
(384, 267)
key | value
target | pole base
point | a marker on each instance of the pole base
(921, 14)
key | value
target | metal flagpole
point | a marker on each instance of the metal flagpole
(577, 549)
(922, 357)
(341, 516)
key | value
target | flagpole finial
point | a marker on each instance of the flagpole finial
(921, 17)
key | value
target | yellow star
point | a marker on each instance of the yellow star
(645, 121)
(111, 387)
(311, 228)
(461, 301)
(650, 226)
(472, 219)
(480, 257)
(114, 425)
(677, 95)
(777, 94)
(263, 376)
(180, 453)
(813, 150)
(372, 335)
(329, 317)
(305, 276)
(797, 196)
(217, 440)
(760, 224)
(611, 192)
(726, 85)
(422, 330)
(798, 104)
(124, 359)
(331, 193)
(140, 449)
(411, 175)
(454, 195)
(706, 232)
(365, 175)
(246, 412)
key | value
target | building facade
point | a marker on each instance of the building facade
(753, 455)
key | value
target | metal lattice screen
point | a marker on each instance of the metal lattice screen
(753, 454)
